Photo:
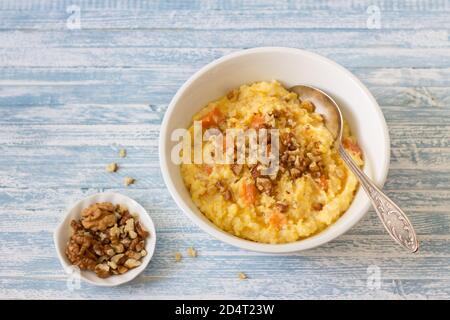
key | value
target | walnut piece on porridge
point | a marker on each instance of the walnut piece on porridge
(100, 242)
(233, 95)
(281, 206)
(317, 206)
(178, 256)
(112, 167)
(264, 185)
(236, 168)
(227, 195)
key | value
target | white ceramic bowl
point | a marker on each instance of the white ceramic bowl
(290, 67)
(64, 231)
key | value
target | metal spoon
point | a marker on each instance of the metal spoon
(392, 217)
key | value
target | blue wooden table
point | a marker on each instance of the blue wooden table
(81, 79)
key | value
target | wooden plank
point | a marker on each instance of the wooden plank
(230, 38)
(197, 57)
(221, 19)
(377, 78)
(227, 287)
(404, 6)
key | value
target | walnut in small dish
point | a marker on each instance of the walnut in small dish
(107, 240)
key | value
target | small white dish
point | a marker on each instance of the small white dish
(290, 67)
(63, 232)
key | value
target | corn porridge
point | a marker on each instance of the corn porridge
(312, 187)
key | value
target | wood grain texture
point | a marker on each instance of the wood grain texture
(69, 99)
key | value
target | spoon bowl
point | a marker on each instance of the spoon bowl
(325, 106)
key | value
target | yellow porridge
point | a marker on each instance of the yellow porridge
(312, 187)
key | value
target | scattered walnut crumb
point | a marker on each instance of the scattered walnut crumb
(192, 252)
(122, 153)
(112, 167)
(128, 180)
(178, 256)
(242, 276)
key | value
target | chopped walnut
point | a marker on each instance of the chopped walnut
(317, 206)
(112, 167)
(80, 253)
(117, 258)
(114, 232)
(192, 252)
(132, 263)
(264, 185)
(295, 173)
(102, 240)
(255, 171)
(178, 256)
(122, 153)
(129, 226)
(140, 245)
(98, 216)
(236, 168)
(102, 270)
(281, 206)
(122, 269)
(290, 122)
(133, 254)
(220, 186)
(233, 95)
(112, 265)
(118, 248)
(76, 225)
(141, 230)
(298, 157)
(128, 180)
(242, 276)
(227, 195)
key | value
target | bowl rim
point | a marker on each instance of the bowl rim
(299, 245)
(65, 220)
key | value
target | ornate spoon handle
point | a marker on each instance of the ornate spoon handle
(393, 218)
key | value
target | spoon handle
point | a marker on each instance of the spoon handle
(392, 217)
